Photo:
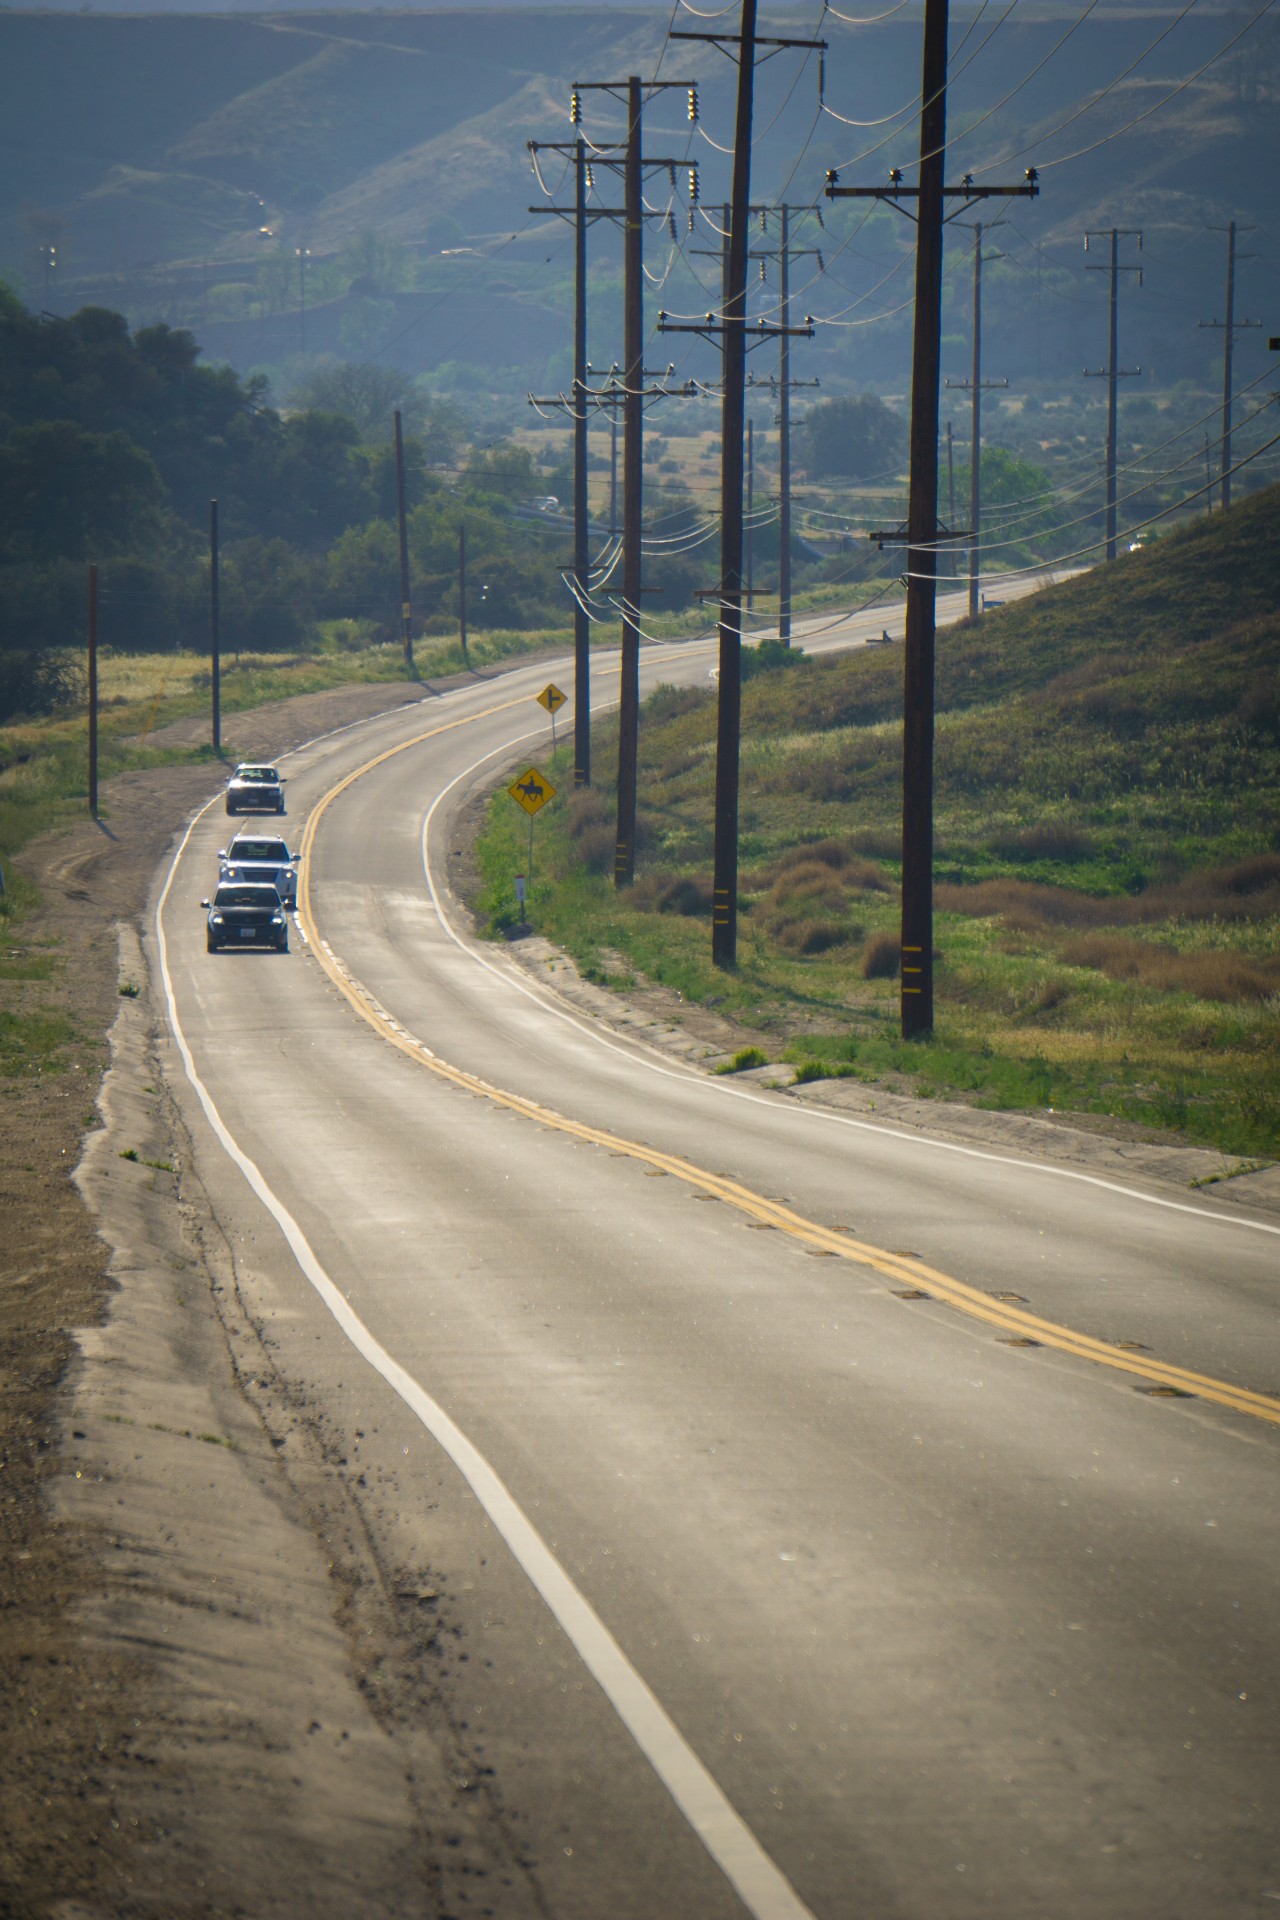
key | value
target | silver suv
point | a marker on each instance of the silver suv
(259, 857)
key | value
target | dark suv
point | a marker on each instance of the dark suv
(245, 913)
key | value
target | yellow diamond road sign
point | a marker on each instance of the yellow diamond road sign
(551, 697)
(531, 791)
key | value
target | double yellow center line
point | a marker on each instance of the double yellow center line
(912, 1273)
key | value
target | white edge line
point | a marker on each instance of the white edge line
(638, 1054)
(762, 1887)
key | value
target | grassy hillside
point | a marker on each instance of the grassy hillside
(1108, 848)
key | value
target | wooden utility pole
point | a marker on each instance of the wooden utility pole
(724, 895)
(733, 332)
(581, 548)
(922, 525)
(784, 430)
(215, 645)
(922, 530)
(633, 215)
(624, 856)
(975, 385)
(405, 607)
(462, 594)
(1229, 328)
(1113, 372)
(93, 691)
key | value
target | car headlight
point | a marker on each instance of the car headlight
(277, 919)
(215, 919)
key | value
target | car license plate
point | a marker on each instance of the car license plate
(247, 933)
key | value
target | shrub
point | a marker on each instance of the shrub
(743, 1060)
(813, 936)
(1209, 976)
(1046, 840)
(881, 957)
(683, 893)
(37, 680)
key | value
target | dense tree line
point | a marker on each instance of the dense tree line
(112, 445)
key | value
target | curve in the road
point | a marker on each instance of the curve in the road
(914, 1274)
(765, 1891)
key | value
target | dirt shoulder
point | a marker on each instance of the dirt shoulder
(72, 1700)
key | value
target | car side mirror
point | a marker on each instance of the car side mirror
(294, 858)
(222, 853)
(204, 903)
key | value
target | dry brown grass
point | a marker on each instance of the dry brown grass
(664, 892)
(1207, 975)
(799, 867)
(1045, 840)
(1245, 890)
(881, 957)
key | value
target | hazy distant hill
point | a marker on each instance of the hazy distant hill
(167, 157)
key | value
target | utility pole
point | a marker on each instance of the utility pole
(951, 480)
(975, 385)
(786, 253)
(733, 331)
(784, 431)
(781, 384)
(613, 473)
(633, 214)
(304, 254)
(624, 855)
(922, 508)
(1229, 327)
(93, 691)
(751, 507)
(578, 410)
(405, 608)
(581, 552)
(1113, 372)
(215, 655)
(462, 595)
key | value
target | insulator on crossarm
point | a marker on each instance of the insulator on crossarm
(822, 79)
(693, 104)
(693, 186)
(671, 229)
(575, 108)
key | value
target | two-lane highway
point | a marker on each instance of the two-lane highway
(770, 1590)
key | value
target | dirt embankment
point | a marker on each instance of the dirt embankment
(71, 1703)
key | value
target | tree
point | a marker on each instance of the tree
(854, 439)
(68, 494)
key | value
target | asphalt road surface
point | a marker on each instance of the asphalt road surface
(831, 1521)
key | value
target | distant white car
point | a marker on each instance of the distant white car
(254, 788)
(261, 857)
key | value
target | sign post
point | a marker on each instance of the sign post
(531, 791)
(552, 699)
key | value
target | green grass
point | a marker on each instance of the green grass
(1107, 851)
(44, 763)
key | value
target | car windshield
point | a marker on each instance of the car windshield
(249, 896)
(258, 776)
(274, 851)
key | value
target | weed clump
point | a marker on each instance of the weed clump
(881, 957)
